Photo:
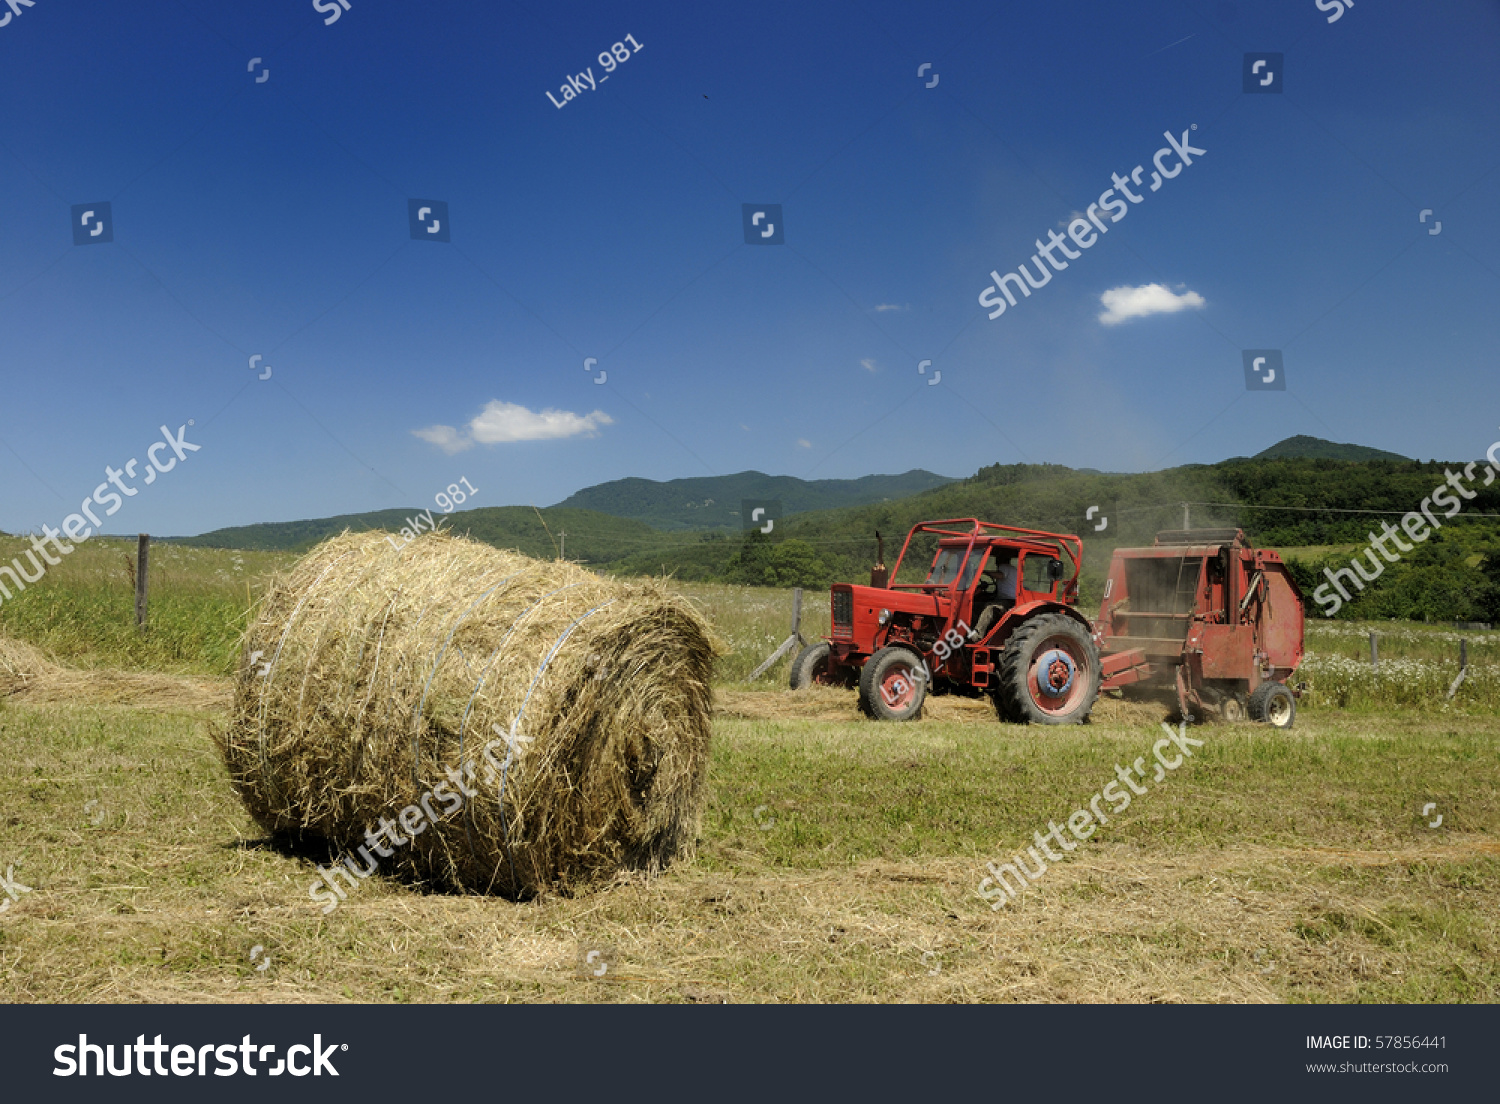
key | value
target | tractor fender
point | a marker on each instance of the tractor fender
(1024, 612)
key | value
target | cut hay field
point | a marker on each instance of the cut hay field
(838, 860)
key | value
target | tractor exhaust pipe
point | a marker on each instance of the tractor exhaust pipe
(879, 576)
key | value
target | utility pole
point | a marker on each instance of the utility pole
(563, 536)
(1186, 521)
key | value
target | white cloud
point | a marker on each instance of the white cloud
(1125, 303)
(503, 422)
(868, 364)
(444, 437)
(892, 307)
(803, 442)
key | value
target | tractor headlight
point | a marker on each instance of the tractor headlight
(885, 615)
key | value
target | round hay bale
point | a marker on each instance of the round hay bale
(473, 717)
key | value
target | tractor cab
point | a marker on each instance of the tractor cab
(943, 618)
(984, 578)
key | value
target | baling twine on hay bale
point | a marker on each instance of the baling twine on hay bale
(552, 726)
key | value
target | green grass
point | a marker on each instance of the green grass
(1400, 640)
(838, 857)
(751, 622)
(1305, 848)
(83, 609)
(865, 791)
(1418, 665)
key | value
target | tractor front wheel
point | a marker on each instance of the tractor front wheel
(1049, 673)
(812, 665)
(1273, 703)
(892, 685)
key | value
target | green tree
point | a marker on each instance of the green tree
(1489, 601)
(788, 563)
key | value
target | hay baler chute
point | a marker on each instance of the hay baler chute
(1204, 617)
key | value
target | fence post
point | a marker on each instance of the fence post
(1463, 667)
(789, 642)
(142, 558)
(1374, 654)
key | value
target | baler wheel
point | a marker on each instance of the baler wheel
(892, 685)
(1232, 709)
(1273, 703)
(1049, 673)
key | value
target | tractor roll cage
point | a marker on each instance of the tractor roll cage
(1060, 542)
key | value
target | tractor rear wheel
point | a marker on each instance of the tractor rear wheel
(812, 666)
(1273, 703)
(892, 685)
(1049, 673)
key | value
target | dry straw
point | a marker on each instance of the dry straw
(21, 666)
(27, 671)
(381, 670)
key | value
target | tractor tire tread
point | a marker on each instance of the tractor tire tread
(805, 663)
(869, 679)
(1260, 702)
(1013, 704)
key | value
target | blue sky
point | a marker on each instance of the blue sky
(270, 217)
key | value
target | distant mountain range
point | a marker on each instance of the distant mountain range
(585, 535)
(684, 525)
(625, 511)
(713, 502)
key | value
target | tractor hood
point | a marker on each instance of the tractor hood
(856, 609)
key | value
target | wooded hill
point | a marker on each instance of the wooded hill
(1297, 502)
(713, 502)
(1288, 504)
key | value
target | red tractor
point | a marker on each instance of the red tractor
(995, 613)
(1200, 617)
